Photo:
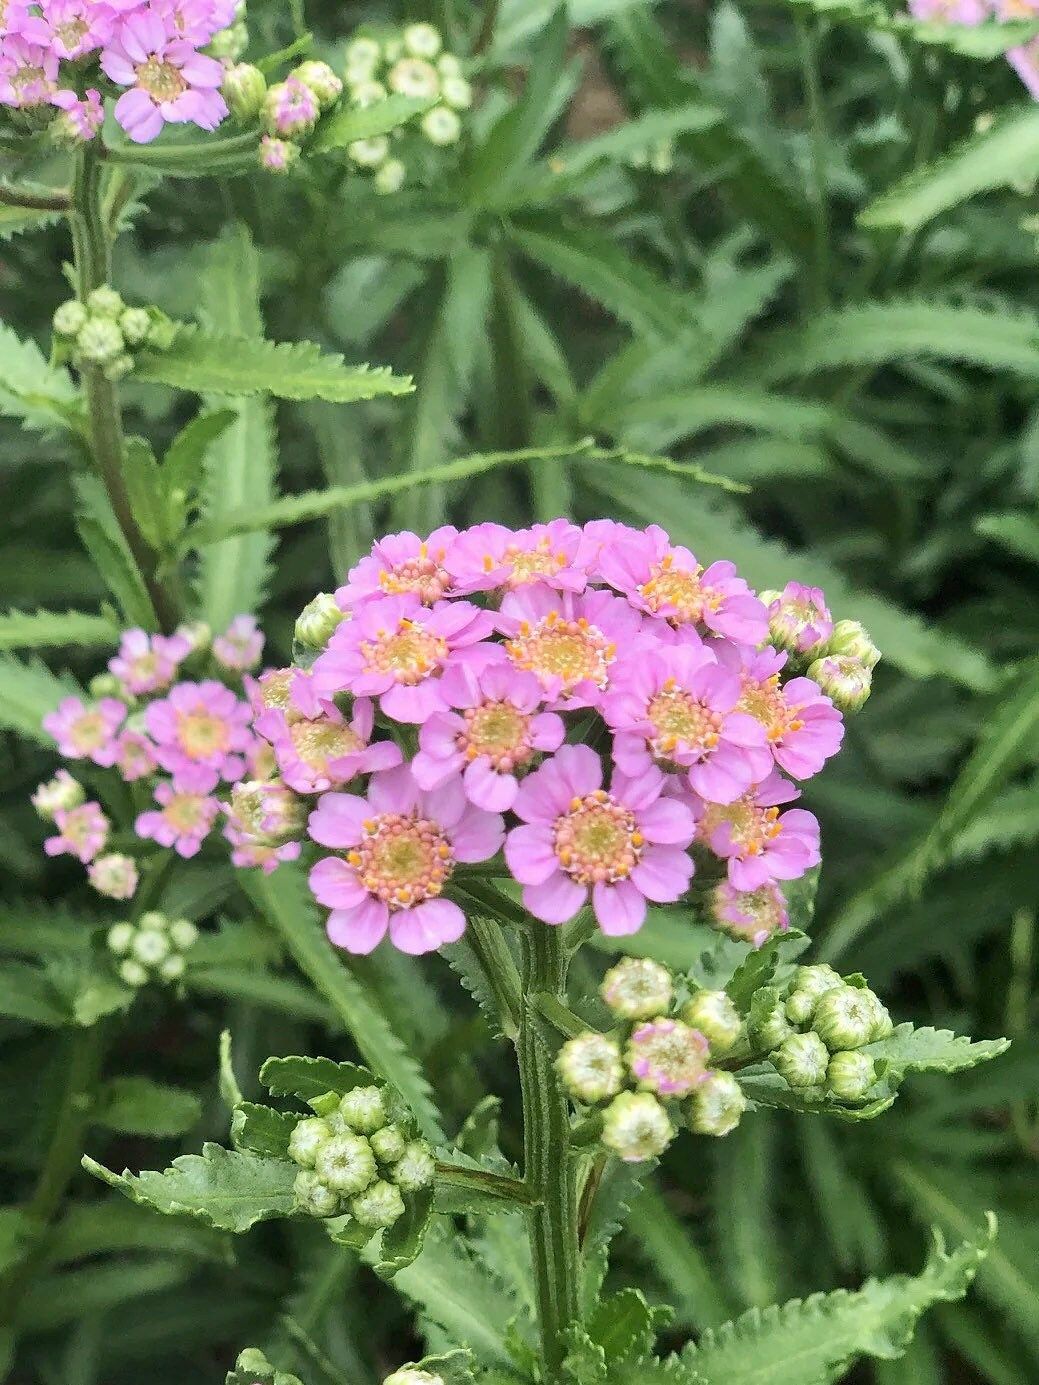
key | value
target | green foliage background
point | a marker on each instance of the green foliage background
(829, 301)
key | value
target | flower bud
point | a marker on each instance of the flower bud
(422, 40)
(415, 1168)
(290, 109)
(364, 1110)
(457, 93)
(379, 1205)
(388, 1144)
(799, 1008)
(851, 641)
(133, 973)
(845, 1017)
(369, 153)
(197, 634)
(321, 80)
(716, 1017)
(414, 77)
(882, 1022)
(389, 177)
(100, 342)
(105, 301)
(770, 1027)
(717, 1105)
(449, 65)
(590, 1067)
(120, 938)
(801, 1059)
(846, 681)
(441, 126)
(244, 89)
(312, 1197)
(153, 921)
(105, 685)
(135, 324)
(667, 1057)
(361, 59)
(816, 980)
(749, 915)
(637, 988)
(850, 1075)
(345, 1163)
(114, 875)
(60, 794)
(271, 813)
(122, 365)
(408, 1376)
(150, 947)
(173, 968)
(636, 1127)
(798, 618)
(183, 934)
(317, 620)
(309, 1137)
(367, 93)
(162, 333)
(228, 45)
(70, 318)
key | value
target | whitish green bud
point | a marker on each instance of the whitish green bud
(229, 44)
(317, 620)
(345, 1164)
(313, 1197)
(183, 934)
(173, 968)
(851, 640)
(122, 365)
(135, 324)
(309, 1137)
(816, 980)
(409, 1376)
(457, 93)
(717, 1105)
(449, 65)
(100, 342)
(590, 1066)
(362, 57)
(369, 153)
(363, 1109)
(636, 1127)
(850, 1075)
(57, 794)
(133, 973)
(771, 1029)
(882, 1022)
(799, 1008)
(638, 988)
(245, 90)
(162, 333)
(198, 634)
(422, 40)
(70, 318)
(845, 1018)
(105, 301)
(153, 921)
(379, 1205)
(105, 685)
(846, 681)
(716, 1017)
(802, 1060)
(388, 1144)
(120, 938)
(368, 93)
(150, 948)
(389, 177)
(415, 1168)
(441, 126)
(321, 80)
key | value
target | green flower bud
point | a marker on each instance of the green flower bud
(309, 1137)
(801, 1059)
(313, 1197)
(197, 633)
(590, 1067)
(105, 685)
(409, 1376)
(317, 621)
(441, 126)
(57, 794)
(100, 342)
(457, 93)
(122, 365)
(422, 40)
(816, 980)
(882, 1022)
(717, 1105)
(369, 153)
(153, 921)
(769, 1030)
(367, 93)
(173, 968)
(364, 1110)
(361, 59)
(321, 80)
(70, 318)
(150, 947)
(229, 44)
(850, 1075)
(345, 1164)
(388, 1144)
(183, 934)
(120, 938)
(105, 301)
(379, 1205)
(449, 65)
(799, 1008)
(389, 177)
(636, 1127)
(845, 1017)
(133, 973)
(716, 1017)
(638, 988)
(850, 640)
(245, 90)
(415, 1168)
(162, 333)
(846, 681)
(135, 324)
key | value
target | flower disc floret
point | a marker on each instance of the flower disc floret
(402, 565)
(569, 642)
(715, 1016)
(346, 1164)
(759, 843)
(415, 1168)
(717, 1105)
(667, 1057)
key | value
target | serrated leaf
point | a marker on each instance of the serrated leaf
(934, 1050)
(28, 691)
(41, 396)
(403, 1241)
(765, 1087)
(253, 1368)
(755, 972)
(366, 122)
(308, 1078)
(262, 1129)
(622, 1325)
(139, 1106)
(53, 629)
(1016, 532)
(227, 1189)
(453, 1367)
(144, 487)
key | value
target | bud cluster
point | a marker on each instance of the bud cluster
(102, 333)
(152, 949)
(840, 657)
(413, 1375)
(353, 1158)
(657, 1058)
(814, 1028)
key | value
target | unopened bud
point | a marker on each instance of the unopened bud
(851, 640)
(850, 1075)
(163, 331)
(716, 1017)
(150, 947)
(414, 77)
(636, 1127)
(361, 58)
(750, 915)
(105, 685)
(667, 1057)
(113, 875)
(60, 794)
(197, 633)
(882, 1022)
(798, 1008)
(346, 1164)
(388, 1144)
(290, 109)
(379, 1205)
(105, 301)
(363, 1109)
(441, 126)
(422, 40)
(309, 1137)
(228, 45)
(173, 968)
(845, 1017)
(70, 318)
(367, 93)
(808, 985)
(637, 988)
(449, 65)
(270, 812)
(133, 973)
(100, 342)
(717, 1105)
(590, 1067)
(244, 89)
(769, 1026)
(183, 934)
(457, 93)
(798, 618)
(846, 681)
(369, 153)
(313, 1197)
(321, 80)
(317, 620)
(122, 365)
(135, 324)
(415, 1168)
(389, 177)
(410, 1376)
(801, 1060)
(153, 921)
(120, 938)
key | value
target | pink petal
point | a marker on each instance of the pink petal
(667, 822)
(338, 819)
(663, 874)
(334, 884)
(620, 908)
(488, 789)
(529, 854)
(427, 926)
(416, 704)
(478, 836)
(361, 929)
(556, 900)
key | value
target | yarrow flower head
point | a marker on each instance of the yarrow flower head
(85, 731)
(184, 817)
(169, 81)
(114, 875)
(148, 663)
(200, 725)
(667, 1057)
(798, 618)
(751, 915)
(82, 832)
(240, 647)
(761, 844)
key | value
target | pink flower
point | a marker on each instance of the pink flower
(86, 731)
(200, 724)
(240, 647)
(667, 1057)
(401, 846)
(498, 733)
(489, 556)
(569, 642)
(135, 756)
(28, 72)
(401, 565)
(82, 117)
(675, 705)
(249, 854)
(1024, 59)
(195, 20)
(185, 816)
(82, 832)
(760, 843)
(76, 27)
(323, 750)
(798, 618)
(148, 663)
(667, 581)
(273, 688)
(396, 649)
(114, 876)
(969, 12)
(753, 915)
(170, 82)
(277, 155)
(292, 108)
(624, 847)
(802, 727)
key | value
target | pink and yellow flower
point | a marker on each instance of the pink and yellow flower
(200, 724)
(240, 647)
(87, 731)
(489, 556)
(148, 663)
(751, 915)
(323, 749)
(169, 81)
(82, 832)
(798, 618)
(402, 565)
(761, 844)
(185, 816)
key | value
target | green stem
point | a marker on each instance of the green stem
(483, 1181)
(548, 1170)
(813, 94)
(496, 961)
(35, 199)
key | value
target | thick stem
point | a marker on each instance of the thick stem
(548, 1169)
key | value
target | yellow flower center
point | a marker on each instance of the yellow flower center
(596, 840)
(573, 651)
(410, 653)
(529, 564)
(751, 827)
(89, 732)
(201, 734)
(186, 812)
(499, 731)
(424, 576)
(680, 721)
(764, 701)
(676, 592)
(318, 742)
(160, 80)
(402, 860)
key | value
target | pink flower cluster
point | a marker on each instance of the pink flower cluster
(1024, 59)
(67, 53)
(592, 702)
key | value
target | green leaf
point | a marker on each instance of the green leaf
(934, 1050)
(765, 1087)
(986, 40)
(183, 466)
(651, 127)
(403, 1241)
(54, 629)
(453, 1367)
(88, 988)
(367, 122)
(622, 1325)
(1018, 533)
(144, 486)
(139, 1106)
(224, 1188)
(15, 221)
(754, 972)
(1005, 154)
(253, 1368)
(27, 995)
(104, 541)
(309, 1078)
(40, 395)
(28, 691)
(262, 1129)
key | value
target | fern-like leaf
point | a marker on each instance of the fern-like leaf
(53, 629)
(28, 691)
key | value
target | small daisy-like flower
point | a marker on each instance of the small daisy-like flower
(148, 663)
(667, 1057)
(399, 846)
(803, 729)
(28, 72)
(170, 82)
(81, 118)
(637, 988)
(60, 792)
(751, 915)
(86, 731)
(489, 556)
(185, 816)
(240, 647)
(200, 724)
(798, 618)
(401, 565)
(272, 690)
(249, 854)
(268, 812)
(77, 27)
(414, 77)
(82, 832)
(114, 875)
(622, 847)
(495, 733)
(760, 843)
(135, 756)
(292, 108)
(323, 750)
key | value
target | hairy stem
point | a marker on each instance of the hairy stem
(548, 1170)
